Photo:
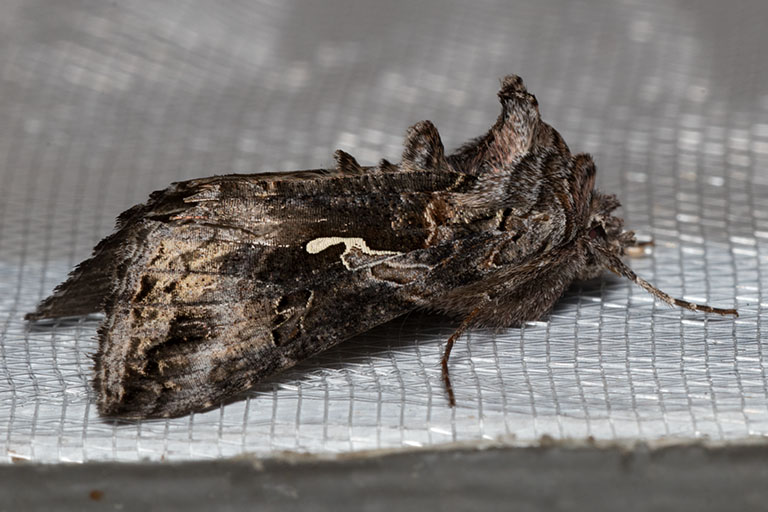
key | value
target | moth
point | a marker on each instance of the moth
(214, 284)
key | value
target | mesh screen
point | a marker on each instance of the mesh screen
(103, 102)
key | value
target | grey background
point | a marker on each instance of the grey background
(560, 477)
(103, 102)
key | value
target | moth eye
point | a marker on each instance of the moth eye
(596, 231)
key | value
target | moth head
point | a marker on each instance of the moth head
(603, 236)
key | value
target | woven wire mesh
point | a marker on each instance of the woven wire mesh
(104, 102)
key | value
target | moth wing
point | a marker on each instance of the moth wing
(312, 191)
(188, 327)
(216, 283)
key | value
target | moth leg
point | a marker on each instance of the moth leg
(423, 148)
(465, 324)
(511, 136)
(619, 268)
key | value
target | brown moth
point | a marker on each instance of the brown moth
(216, 283)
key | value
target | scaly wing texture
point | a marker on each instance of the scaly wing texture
(215, 283)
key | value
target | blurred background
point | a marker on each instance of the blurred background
(104, 102)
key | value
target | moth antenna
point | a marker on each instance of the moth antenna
(619, 268)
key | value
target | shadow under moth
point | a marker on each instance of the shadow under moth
(214, 284)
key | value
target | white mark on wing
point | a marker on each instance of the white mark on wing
(320, 244)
